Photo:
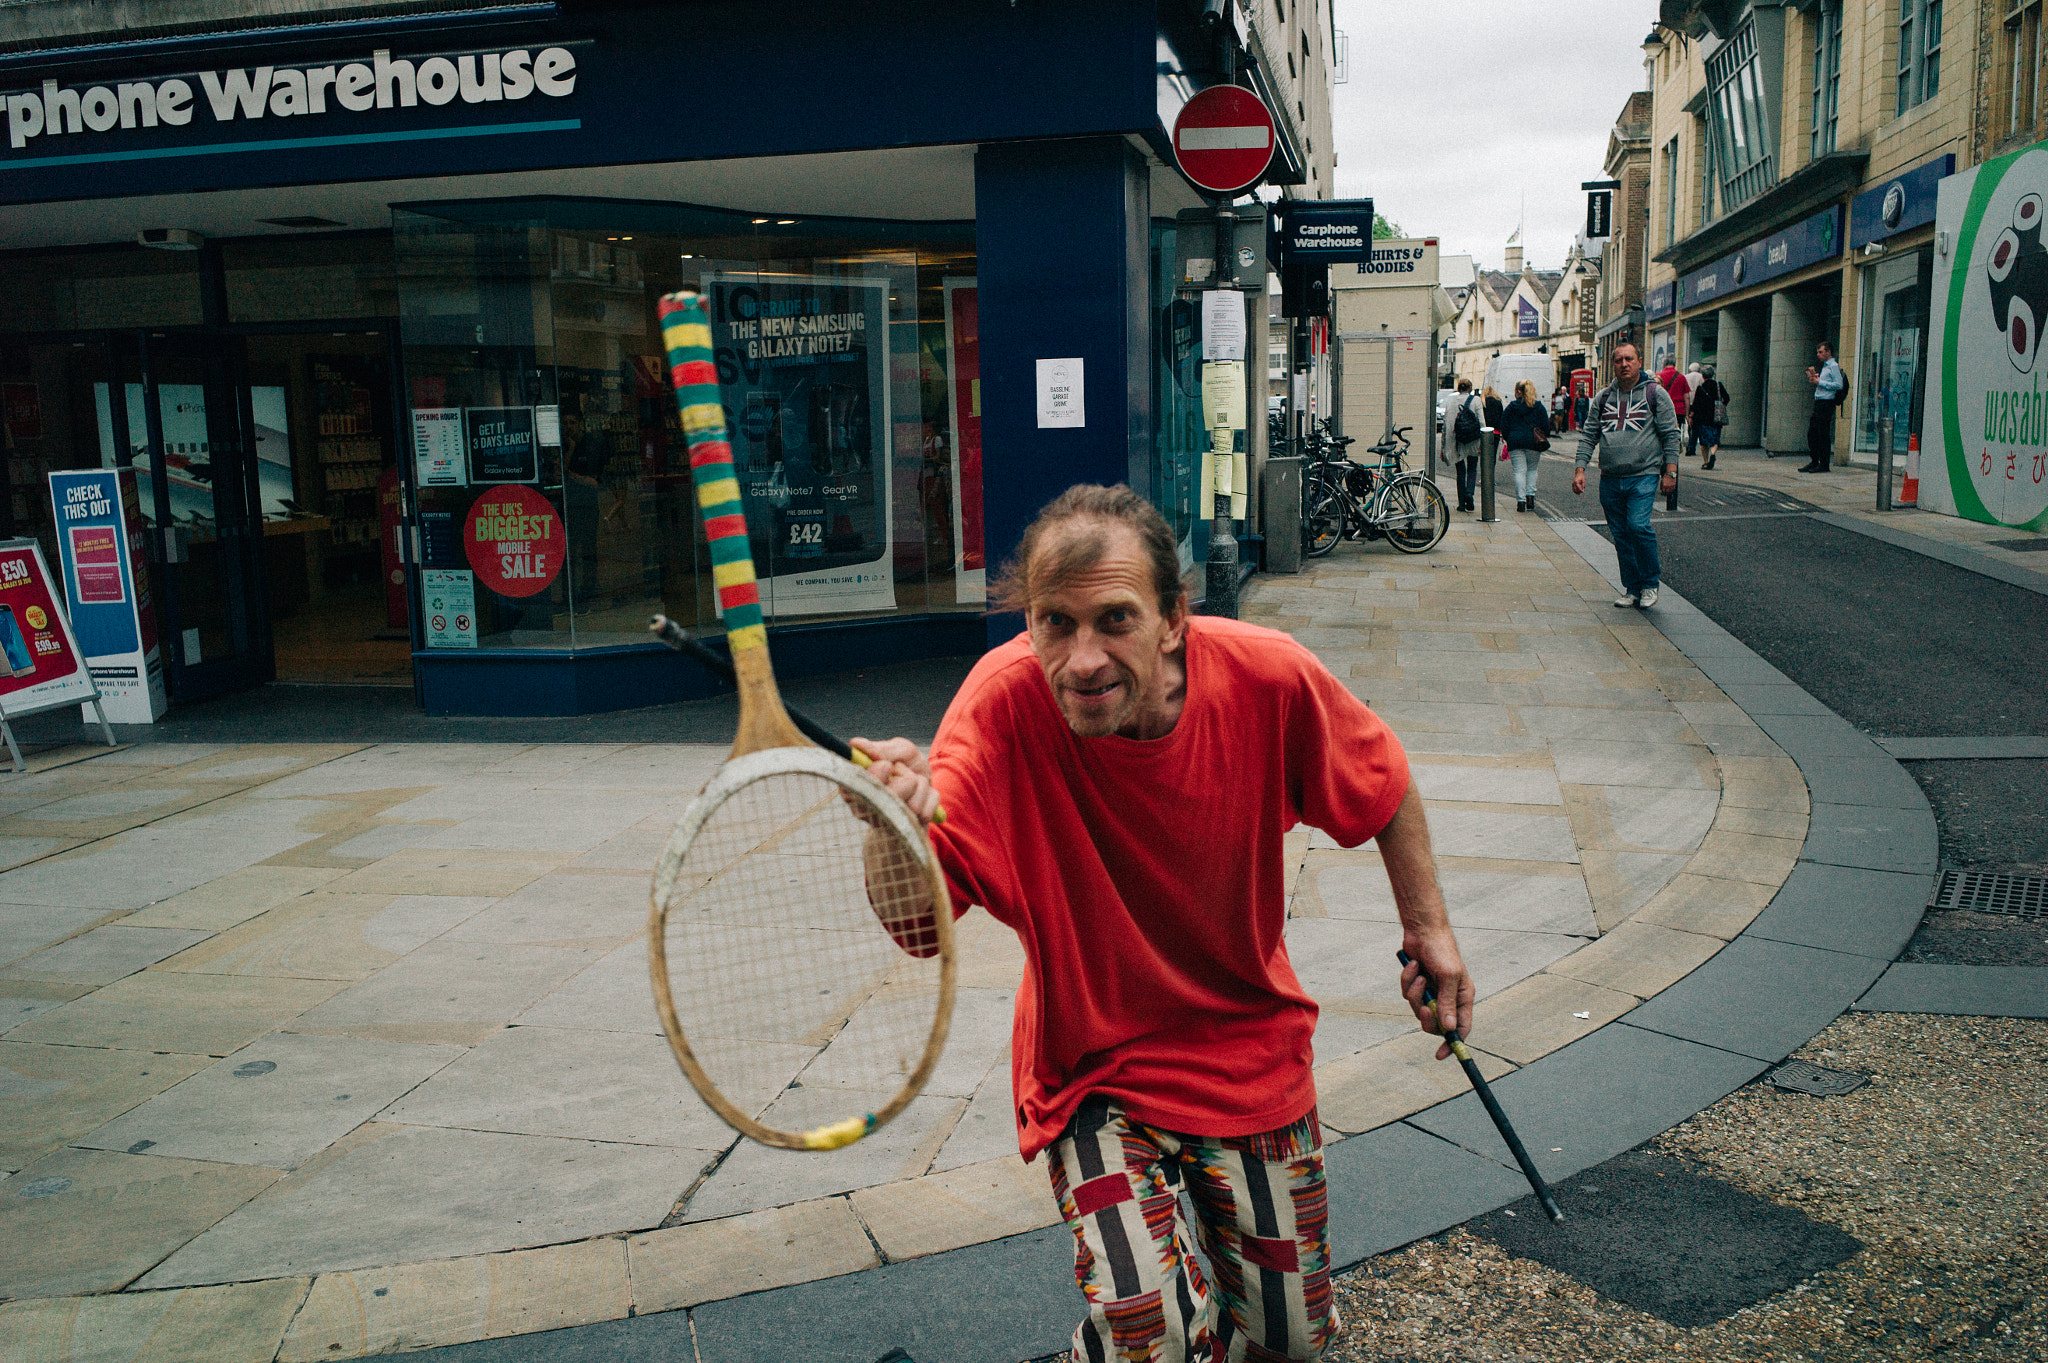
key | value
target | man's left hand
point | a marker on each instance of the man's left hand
(1436, 955)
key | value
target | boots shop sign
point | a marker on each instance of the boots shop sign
(376, 97)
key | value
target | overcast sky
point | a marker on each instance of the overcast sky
(1453, 112)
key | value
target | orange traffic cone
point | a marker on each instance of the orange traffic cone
(1909, 489)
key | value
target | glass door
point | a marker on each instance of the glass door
(198, 456)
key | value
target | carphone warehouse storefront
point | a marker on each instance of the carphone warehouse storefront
(369, 307)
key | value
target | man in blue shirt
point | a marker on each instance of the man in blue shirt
(1828, 387)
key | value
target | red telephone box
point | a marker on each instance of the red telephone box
(1582, 390)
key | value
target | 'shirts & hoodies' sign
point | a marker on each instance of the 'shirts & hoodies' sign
(73, 122)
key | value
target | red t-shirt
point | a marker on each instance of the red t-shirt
(1145, 877)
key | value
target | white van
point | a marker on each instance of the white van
(1503, 372)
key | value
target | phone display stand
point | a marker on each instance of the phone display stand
(18, 706)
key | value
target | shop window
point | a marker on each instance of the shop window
(309, 279)
(1179, 436)
(1827, 76)
(2022, 68)
(1671, 191)
(1919, 75)
(122, 286)
(1743, 140)
(539, 389)
(1890, 372)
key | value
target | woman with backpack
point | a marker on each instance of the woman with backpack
(1525, 427)
(1709, 414)
(1467, 444)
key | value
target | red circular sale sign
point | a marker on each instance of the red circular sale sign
(514, 540)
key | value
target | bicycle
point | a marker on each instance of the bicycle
(1342, 499)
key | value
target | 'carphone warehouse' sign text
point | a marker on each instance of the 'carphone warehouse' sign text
(65, 119)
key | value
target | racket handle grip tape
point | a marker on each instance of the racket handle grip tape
(839, 1133)
(1488, 1101)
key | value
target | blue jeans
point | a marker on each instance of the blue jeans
(1627, 501)
(1525, 472)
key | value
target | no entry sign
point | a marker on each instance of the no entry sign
(1223, 139)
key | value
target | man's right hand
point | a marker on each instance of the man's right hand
(1579, 481)
(900, 768)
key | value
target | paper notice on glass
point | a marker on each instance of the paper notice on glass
(437, 445)
(547, 425)
(1223, 325)
(1223, 394)
(1060, 396)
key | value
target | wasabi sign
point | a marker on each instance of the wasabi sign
(1987, 457)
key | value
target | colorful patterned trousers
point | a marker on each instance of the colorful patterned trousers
(1263, 1222)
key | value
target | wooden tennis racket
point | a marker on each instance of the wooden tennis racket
(800, 903)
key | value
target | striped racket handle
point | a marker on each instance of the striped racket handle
(686, 332)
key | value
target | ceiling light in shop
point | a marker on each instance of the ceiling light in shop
(760, 220)
(785, 222)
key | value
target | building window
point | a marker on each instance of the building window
(1671, 191)
(1919, 52)
(1742, 139)
(2023, 66)
(1827, 76)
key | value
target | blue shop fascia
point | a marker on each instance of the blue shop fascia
(368, 307)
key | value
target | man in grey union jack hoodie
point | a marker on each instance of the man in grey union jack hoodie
(1633, 426)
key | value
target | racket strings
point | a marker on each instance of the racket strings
(803, 951)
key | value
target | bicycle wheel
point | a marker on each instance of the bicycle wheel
(1413, 514)
(1322, 524)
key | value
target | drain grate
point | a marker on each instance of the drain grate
(2037, 545)
(1799, 1076)
(1992, 892)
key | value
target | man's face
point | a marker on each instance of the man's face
(1627, 364)
(572, 427)
(1823, 354)
(1101, 641)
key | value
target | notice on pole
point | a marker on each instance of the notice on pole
(1223, 325)
(437, 446)
(448, 596)
(1062, 401)
(1223, 394)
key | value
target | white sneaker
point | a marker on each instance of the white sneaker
(1648, 599)
(1625, 600)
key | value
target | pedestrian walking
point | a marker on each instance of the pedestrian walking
(1692, 408)
(1709, 415)
(1674, 384)
(1468, 428)
(1525, 430)
(1162, 1039)
(1633, 427)
(1491, 405)
(1828, 388)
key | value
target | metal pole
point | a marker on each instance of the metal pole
(1220, 597)
(1388, 340)
(1489, 455)
(1884, 463)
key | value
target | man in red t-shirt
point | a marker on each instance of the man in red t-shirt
(1117, 782)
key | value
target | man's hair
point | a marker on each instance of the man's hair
(1047, 559)
(1827, 346)
(1464, 385)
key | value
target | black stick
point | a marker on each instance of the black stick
(716, 663)
(1500, 1119)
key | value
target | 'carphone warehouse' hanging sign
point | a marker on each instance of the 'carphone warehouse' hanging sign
(247, 108)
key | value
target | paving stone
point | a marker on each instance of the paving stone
(1868, 837)
(278, 1101)
(410, 921)
(444, 981)
(159, 1010)
(102, 804)
(1842, 780)
(1342, 959)
(994, 1303)
(1397, 1184)
(1593, 1099)
(20, 851)
(1806, 736)
(1702, 904)
(636, 849)
(962, 1206)
(1736, 740)
(547, 819)
(1397, 1078)
(1622, 882)
(1477, 899)
(754, 1176)
(1533, 1017)
(1639, 958)
(234, 898)
(542, 1081)
(598, 911)
(1745, 856)
(458, 873)
(1661, 817)
(1774, 698)
(489, 1296)
(79, 1221)
(611, 995)
(317, 936)
(146, 864)
(685, 1265)
(1618, 762)
(26, 929)
(53, 1094)
(17, 1006)
(1839, 908)
(1759, 998)
(1729, 672)
(385, 838)
(1575, 722)
(421, 1193)
(988, 1128)
(2010, 991)
(233, 1323)
(1518, 837)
